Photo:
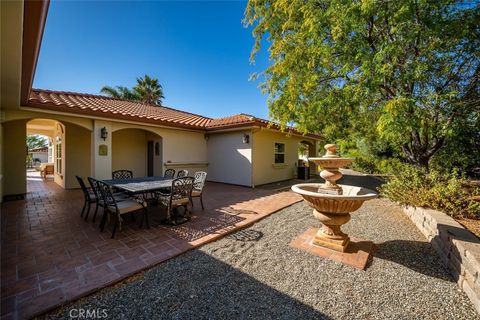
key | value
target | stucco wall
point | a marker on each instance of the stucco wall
(14, 157)
(182, 149)
(11, 53)
(42, 156)
(77, 154)
(129, 151)
(229, 158)
(264, 168)
(1, 163)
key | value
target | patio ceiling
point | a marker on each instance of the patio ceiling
(44, 127)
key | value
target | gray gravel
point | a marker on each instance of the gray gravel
(254, 274)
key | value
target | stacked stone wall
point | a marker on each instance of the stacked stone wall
(457, 247)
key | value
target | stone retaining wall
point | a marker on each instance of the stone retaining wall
(457, 247)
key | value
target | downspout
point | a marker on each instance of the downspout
(251, 166)
(252, 140)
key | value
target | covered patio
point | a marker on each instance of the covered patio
(50, 255)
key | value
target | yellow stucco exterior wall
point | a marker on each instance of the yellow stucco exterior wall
(180, 149)
(129, 151)
(77, 154)
(14, 157)
(263, 157)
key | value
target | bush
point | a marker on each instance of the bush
(370, 156)
(443, 192)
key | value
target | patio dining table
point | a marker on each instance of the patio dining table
(141, 185)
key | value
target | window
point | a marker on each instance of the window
(58, 155)
(279, 152)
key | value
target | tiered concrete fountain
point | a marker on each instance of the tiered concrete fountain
(333, 203)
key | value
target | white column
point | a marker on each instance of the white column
(102, 163)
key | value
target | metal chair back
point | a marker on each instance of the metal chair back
(199, 182)
(122, 175)
(86, 194)
(93, 185)
(181, 188)
(182, 173)
(107, 195)
(169, 174)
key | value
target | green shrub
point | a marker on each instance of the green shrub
(443, 192)
(370, 156)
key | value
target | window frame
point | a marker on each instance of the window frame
(275, 153)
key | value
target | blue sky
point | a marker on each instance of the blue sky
(198, 50)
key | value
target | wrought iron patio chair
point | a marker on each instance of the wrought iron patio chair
(169, 174)
(182, 173)
(119, 196)
(88, 195)
(198, 184)
(179, 196)
(122, 175)
(117, 209)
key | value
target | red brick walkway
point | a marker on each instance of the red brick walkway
(50, 255)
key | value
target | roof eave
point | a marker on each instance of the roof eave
(118, 116)
(34, 19)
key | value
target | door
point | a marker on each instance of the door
(150, 158)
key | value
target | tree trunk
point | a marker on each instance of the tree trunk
(419, 152)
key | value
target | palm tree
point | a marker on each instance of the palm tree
(120, 92)
(147, 90)
(150, 91)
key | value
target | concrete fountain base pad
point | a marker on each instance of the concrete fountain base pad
(357, 254)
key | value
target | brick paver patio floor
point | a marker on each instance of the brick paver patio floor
(50, 255)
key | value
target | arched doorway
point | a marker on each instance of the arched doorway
(306, 149)
(69, 152)
(138, 150)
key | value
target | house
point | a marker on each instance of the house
(41, 155)
(93, 135)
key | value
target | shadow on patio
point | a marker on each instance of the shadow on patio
(50, 255)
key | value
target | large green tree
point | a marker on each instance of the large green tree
(36, 141)
(409, 69)
(147, 90)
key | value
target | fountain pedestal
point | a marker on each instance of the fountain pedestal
(330, 235)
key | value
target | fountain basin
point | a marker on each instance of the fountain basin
(331, 161)
(333, 211)
(351, 199)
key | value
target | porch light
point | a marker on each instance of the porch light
(246, 138)
(104, 133)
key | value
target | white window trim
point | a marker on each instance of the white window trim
(275, 153)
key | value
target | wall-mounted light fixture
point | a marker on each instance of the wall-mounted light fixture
(246, 138)
(206, 136)
(104, 133)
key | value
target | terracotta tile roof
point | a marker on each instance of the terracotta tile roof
(110, 107)
(234, 120)
(42, 149)
(102, 106)
(246, 120)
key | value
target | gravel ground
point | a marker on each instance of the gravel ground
(254, 274)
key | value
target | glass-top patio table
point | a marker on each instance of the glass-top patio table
(140, 185)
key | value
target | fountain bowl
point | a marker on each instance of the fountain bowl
(351, 199)
(333, 211)
(331, 161)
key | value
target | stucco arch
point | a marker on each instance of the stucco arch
(77, 151)
(27, 116)
(137, 149)
(117, 126)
